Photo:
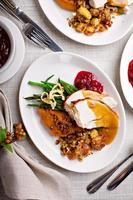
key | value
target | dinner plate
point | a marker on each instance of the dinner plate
(127, 56)
(58, 17)
(66, 66)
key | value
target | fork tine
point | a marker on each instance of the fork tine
(35, 40)
(32, 35)
(36, 31)
(40, 38)
(41, 42)
(41, 35)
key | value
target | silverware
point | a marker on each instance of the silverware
(31, 29)
(96, 184)
(120, 177)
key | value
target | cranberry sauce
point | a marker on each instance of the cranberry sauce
(130, 72)
(5, 47)
(87, 80)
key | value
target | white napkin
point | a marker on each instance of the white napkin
(23, 177)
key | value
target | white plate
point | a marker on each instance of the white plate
(18, 54)
(66, 66)
(127, 56)
(58, 17)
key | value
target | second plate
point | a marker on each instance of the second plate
(58, 17)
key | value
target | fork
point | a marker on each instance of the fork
(34, 35)
(31, 30)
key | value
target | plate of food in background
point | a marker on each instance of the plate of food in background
(126, 71)
(92, 22)
(72, 112)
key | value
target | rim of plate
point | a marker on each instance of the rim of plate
(114, 88)
(121, 69)
(70, 36)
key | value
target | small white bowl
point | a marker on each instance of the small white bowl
(4, 25)
(16, 57)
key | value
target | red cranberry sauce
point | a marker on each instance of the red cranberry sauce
(130, 72)
(87, 80)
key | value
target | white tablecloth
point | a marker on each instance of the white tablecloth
(108, 58)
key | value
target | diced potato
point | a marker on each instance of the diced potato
(89, 30)
(80, 27)
(119, 3)
(84, 12)
(107, 12)
(101, 28)
(94, 133)
(95, 22)
(94, 12)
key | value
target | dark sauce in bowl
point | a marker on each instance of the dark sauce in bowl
(5, 47)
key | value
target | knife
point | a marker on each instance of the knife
(120, 177)
(15, 11)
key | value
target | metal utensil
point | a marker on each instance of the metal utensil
(31, 29)
(118, 179)
(96, 184)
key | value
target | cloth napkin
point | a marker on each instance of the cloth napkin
(24, 178)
